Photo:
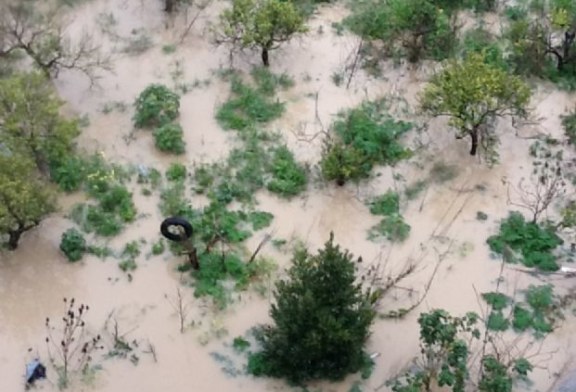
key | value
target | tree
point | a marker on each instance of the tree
(260, 24)
(41, 37)
(473, 93)
(24, 198)
(322, 319)
(420, 27)
(30, 121)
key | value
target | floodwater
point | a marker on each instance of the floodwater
(447, 242)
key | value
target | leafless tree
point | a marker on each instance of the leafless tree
(179, 307)
(41, 36)
(544, 187)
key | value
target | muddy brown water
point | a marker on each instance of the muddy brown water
(35, 278)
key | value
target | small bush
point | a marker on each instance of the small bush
(442, 172)
(342, 163)
(176, 172)
(393, 227)
(288, 177)
(73, 244)
(70, 174)
(412, 191)
(386, 204)
(480, 40)
(534, 243)
(168, 138)
(157, 105)
(158, 247)
(260, 219)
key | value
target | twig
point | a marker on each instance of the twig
(266, 238)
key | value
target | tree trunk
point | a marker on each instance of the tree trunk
(14, 238)
(474, 136)
(265, 59)
(169, 6)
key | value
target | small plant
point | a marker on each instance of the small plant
(288, 177)
(442, 172)
(176, 172)
(155, 106)
(342, 163)
(168, 138)
(158, 247)
(71, 350)
(240, 344)
(569, 124)
(73, 245)
(392, 226)
(412, 191)
(533, 242)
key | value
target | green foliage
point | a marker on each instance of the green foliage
(288, 177)
(158, 247)
(321, 319)
(392, 226)
(173, 201)
(534, 243)
(260, 219)
(73, 245)
(367, 135)
(157, 105)
(26, 199)
(497, 321)
(412, 191)
(31, 122)
(168, 138)
(497, 301)
(261, 24)
(176, 172)
(471, 92)
(250, 105)
(420, 28)
(445, 351)
(479, 40)
(240, 344)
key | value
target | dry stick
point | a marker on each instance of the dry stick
(179, 307)
(266, 238)
(355, 63)
(191, 23)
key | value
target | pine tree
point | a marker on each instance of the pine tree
(322, 318)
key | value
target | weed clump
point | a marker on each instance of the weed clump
(533, 242)
(392, 226)
(288, 177)
(176, 172)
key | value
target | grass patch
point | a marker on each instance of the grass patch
(288, 177)
(252, 105)
(526, 242)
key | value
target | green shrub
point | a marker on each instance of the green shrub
(479, 40)
(393, 227)
(342, 163)
(534, 243)
(288, 177)
(158, 247)
(70, 174)
(73, 245)
(260, 219)
(168, 138)
(176, 172)
(368, 135)
(321, 320)
(157, 105)
(248, 106)
(386, 204)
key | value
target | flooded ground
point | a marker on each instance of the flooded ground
(445, 231)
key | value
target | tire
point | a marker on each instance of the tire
(176, 221)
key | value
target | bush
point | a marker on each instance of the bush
(392, 226)
(535, 243)
(69, 174)
(73, 244)
(321, 319)
(288, 177)
(368, 135)
(168, 138)
(157, 105)
(176, 172)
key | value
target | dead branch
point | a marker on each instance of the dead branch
(179, 307)
(200, 9)
(266, 238)
(41, 36)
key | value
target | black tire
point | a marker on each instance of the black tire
(176, 221)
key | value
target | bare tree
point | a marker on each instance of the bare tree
(544, 187)
(179, 307)
(41, 36)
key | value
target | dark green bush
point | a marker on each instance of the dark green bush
(168, 138)
(157, 105)
(386, 204)
(176, 172)
(73, 244)
(288, 177)
(392, 226)
(342, 163)
(322, 319)
(70, 174)
(534, 243)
